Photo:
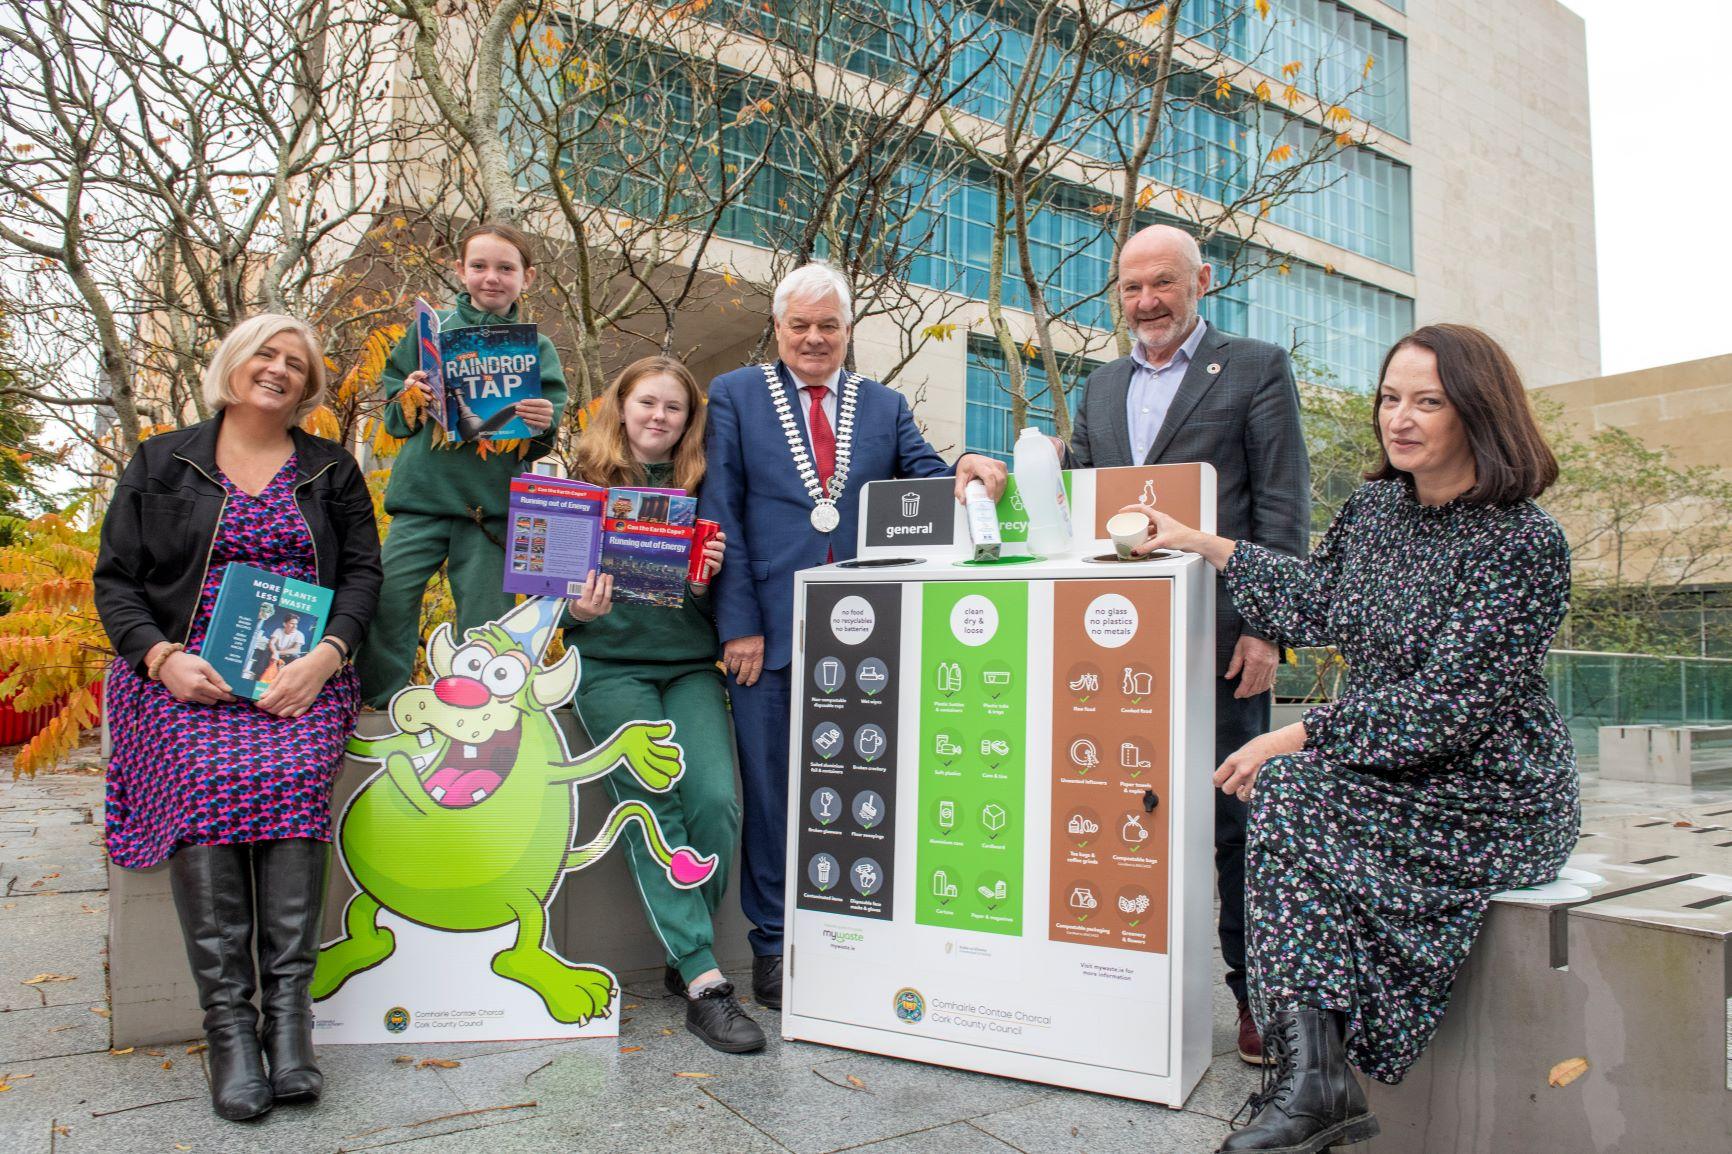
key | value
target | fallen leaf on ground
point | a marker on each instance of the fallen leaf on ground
(90, 909)
(182, 1146)
(631, 1006)
(63, 1130)
(197, 1048)
(1682, 825)
(122, 1053)
(856, 1082)
(1567, 1071)
(437, 1064)
(403, 1059)
(629, 1049)
(154, 1053)
(667, 1033)
(100, 1011)
(689, 1074)
(168, 1063)
(42, 979)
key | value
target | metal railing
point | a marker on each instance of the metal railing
(1591, 689)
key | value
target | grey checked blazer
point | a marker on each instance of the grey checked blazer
(1237, 409)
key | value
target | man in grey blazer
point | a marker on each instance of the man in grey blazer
(1189, 392)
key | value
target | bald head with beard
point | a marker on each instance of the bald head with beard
(1162, 276)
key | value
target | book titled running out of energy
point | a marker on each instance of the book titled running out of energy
(478, 373)
(646, 544)
(262, 621)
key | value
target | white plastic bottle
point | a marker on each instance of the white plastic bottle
(982, 522)
(1040, 484)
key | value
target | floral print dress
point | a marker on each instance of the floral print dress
(1443, 775)
(188, 774)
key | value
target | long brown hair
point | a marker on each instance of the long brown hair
(604, 455)
(1510, 456)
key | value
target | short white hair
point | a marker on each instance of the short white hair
(249, 337)
(812, 281)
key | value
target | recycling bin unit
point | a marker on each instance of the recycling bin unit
(1000, 814)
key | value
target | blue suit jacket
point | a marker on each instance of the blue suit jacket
(753, 491)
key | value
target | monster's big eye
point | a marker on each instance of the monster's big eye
(470, 661)
(504, 676)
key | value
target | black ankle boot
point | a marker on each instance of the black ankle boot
(289, 894)
(213, 893)
(1310, 1100)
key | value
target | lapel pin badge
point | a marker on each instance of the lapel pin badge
(1214, 368)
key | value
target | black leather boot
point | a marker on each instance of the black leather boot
(767, 980)
(213, 893)
(1310, 1100)
(289, 877)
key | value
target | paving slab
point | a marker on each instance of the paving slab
(859, 1098)
(956, 1138)
(50, 1032)
(689, 1120)
(88, 1091)
(57, 938)
(1095, 1124)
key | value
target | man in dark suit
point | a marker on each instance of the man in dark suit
(1189, 392)
(789, 446)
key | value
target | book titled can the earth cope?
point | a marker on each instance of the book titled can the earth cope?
(262, 621)
(477, 375)
(650, 541)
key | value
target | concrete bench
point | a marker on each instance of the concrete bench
(1627, 963)
(596, 917)
(1657, 753)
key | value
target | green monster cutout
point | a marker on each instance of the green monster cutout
(468, 826)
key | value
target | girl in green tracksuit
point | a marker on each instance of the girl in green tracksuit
(448, 502)
(645, 662)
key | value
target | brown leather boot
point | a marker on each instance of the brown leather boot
(1250, 1042)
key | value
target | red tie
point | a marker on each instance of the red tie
(823, 437)
(823, 446)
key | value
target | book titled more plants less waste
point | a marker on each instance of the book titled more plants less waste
(261, 622)
(477, 375)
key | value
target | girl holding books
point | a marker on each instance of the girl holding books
(645, 661)
(234, 795)
(447, 499)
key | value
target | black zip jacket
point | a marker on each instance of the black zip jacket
(162, 522)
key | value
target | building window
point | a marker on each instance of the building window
(987, 423)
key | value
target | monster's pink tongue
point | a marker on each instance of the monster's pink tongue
(458, 787)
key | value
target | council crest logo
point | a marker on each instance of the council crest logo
(910, 1006)
(396, 1019)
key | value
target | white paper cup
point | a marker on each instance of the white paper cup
(1128, 530)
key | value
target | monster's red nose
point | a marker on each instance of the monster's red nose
(463, 692)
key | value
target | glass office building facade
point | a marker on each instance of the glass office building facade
(1359, 202)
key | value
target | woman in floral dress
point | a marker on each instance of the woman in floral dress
(234, 794)
(1382, 824)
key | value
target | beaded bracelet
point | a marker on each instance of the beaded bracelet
(153, 670)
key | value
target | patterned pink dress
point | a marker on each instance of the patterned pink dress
(189, 774)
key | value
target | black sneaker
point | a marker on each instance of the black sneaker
(676, 985)
(767, 980)
(716, 1017)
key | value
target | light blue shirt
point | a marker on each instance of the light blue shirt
(1152, 391)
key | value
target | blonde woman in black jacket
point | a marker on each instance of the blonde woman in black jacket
(235, 794)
